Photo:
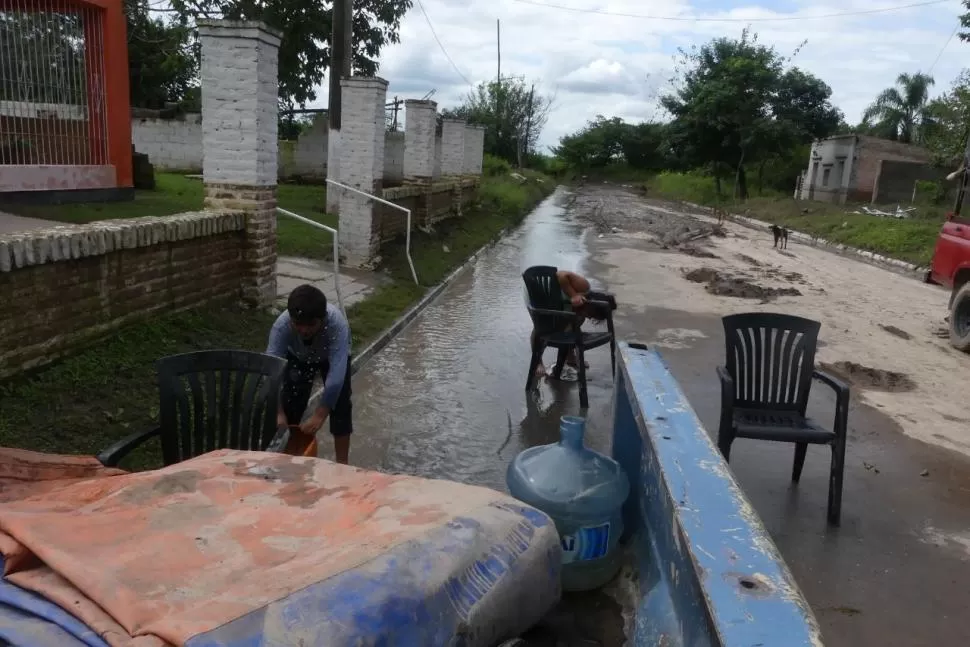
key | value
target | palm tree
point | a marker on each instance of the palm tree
(899, 113)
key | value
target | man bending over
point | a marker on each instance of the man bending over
(313, 336)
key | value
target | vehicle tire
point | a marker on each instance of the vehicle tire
(960, 319)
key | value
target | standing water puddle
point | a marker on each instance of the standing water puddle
(446, 398)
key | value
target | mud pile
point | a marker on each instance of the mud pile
(729, 285)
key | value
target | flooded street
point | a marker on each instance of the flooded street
(449, 391)
(446, 398)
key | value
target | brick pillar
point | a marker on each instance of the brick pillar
(239, 138)
(452, 146)
(437, 156)
(419, 139)
(474, 146)
(361, 165)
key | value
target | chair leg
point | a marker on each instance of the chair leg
(725, 436)
(560, 363)
(581, 370)
(835, 482)
(533, 365)
(613, 357)
(796, 471)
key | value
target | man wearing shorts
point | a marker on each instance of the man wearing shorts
(313, 336)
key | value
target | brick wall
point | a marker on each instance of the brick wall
(869, 152)
(896, 179)
(429, 204)
(75, 284)
(169, 143)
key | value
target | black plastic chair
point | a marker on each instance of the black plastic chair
(558, 326)
(765, 387)
(220, 399)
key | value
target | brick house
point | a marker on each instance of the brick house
(860, 168)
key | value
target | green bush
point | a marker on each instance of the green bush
(930, 191)
(493, 166)
(692, 187)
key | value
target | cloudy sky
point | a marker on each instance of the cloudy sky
(619, 65)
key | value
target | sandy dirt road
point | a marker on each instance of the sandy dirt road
(884, 332)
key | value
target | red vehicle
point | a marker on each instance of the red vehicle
(950, 266)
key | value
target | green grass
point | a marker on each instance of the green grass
(911, 240)
(83, 403)
(175, 193)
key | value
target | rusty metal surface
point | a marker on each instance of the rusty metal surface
(710, 573)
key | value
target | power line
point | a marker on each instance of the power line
(443, 50)
(601, 12)
(943, 49)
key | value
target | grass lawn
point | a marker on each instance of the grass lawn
(83, 403)
(910, 239)
(175, 193)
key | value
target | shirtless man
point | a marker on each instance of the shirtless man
(575, 288)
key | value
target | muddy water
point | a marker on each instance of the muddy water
(446, 398)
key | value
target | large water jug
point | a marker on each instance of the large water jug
(583, 492)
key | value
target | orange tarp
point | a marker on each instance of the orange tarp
(159, 557)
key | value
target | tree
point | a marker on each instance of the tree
(307, 28)
(607, 141)
(949, 122)
(899, 113)
(511, 111)
(162, 62)
(735, 105)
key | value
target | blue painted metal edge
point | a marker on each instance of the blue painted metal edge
(710, 573)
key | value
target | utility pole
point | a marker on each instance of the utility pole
(341, 55)
(341, 66)
(528, 126)
(397, 104)
(498, 86)
(498, 48)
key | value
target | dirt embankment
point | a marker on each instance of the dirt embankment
(881, 332)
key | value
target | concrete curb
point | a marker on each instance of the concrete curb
(837, 248)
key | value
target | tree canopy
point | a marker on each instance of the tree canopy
(605, 141)
(162, 62)
(736, 104)
(511, 111)
(307, 28)
(899, 113)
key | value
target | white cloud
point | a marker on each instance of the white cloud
(596, 64)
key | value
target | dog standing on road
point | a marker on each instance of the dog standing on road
(781, 236)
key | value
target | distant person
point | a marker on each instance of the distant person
(577, 294)
(313, 336)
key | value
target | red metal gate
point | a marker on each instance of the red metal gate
(64, 111)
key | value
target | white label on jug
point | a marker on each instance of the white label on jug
(585, 544)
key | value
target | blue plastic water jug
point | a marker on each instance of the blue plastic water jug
(583, 492)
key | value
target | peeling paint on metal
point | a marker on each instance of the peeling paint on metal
(727, 583)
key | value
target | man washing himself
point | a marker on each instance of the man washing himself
(313, 337)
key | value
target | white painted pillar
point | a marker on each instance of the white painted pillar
(419, 138)
(362, 134)
(474, 147)
(239, 138)
(452, 146)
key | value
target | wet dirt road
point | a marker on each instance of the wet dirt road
(445, 399)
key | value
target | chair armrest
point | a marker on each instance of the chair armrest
(111, 456)
(562, 314)
(835, 383)
(841, 399)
